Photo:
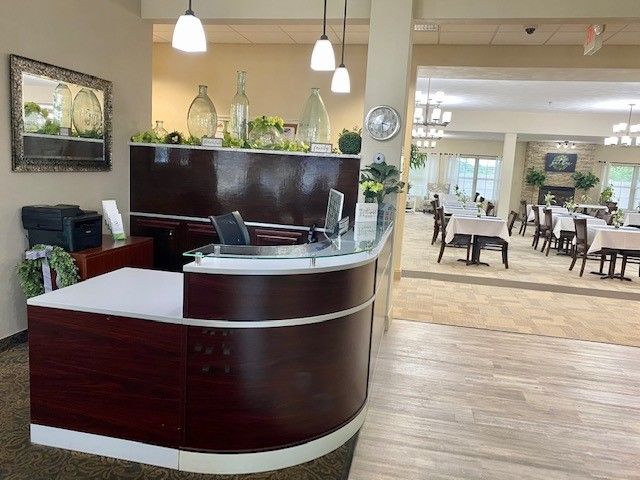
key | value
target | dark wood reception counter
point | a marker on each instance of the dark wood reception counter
(250, 360)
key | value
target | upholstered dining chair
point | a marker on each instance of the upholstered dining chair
(548, 231)
(540, 230)
(497, 243)
(436, 222)
(524, 215)
(582, 245)
(490, 209)
(458, 240)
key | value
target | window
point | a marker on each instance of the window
(625, 180)
(478, 174)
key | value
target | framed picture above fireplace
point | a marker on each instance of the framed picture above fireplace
(560, 162)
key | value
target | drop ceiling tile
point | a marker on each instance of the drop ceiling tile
(352, 27)
(624, 38)
(465, 38)
(241, 28)
(316, 28)
(546, 27)
(268, 37)
(521, 38)
(632, 27)
(572, 27)
(226, 37)
(215, 27)
(425, 38)
(163, 28)
(467, 28)
(304, 37)
(159, 39)
(357, 38)
(566, 38)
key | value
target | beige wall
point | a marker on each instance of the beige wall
(279, 81)
(106, 39)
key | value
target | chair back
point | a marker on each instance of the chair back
(581, 231)
(231, 229)
(443, 225)
(536, 215)
(490, 208)
(523, 209)
(434, 206)
(513, 216)
(436, 198)
(481, 199)
(475, 197)
(548, 218)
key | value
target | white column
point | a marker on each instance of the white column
(506, 173)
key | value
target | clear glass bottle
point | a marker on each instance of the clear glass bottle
(62, 104)
(87, 113)
(202, 118)
(159, 129)
(314, 126)
(239, 123)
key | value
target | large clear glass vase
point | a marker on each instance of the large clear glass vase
(314, 126)
(239, 123)
(202, 118)
(62, 105)
(87, 114)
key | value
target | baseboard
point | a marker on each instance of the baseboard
(13, 340)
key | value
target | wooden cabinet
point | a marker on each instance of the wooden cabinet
(174, 237)
(114, 254)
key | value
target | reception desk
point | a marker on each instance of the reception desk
(251, 359)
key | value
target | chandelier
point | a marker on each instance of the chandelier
(624, 131)
(426, 143)
(429, 118)
(566, 145)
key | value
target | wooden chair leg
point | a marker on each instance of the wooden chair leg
(436, 230)
(505, 255)
(548, 247)
(441, 250)
(468, 251)
(574, 259)
(535, 238)
(623, 268)
(584, 262)
(603, 258)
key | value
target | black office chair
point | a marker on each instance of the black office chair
(231, 229)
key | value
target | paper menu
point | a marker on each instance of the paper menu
(113, 219)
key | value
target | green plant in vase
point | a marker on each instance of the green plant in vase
(265, 132)
(371, 190)
(549, 198)
(585, 181)
(571, 205)
(387, 175)
(417, 159)
(536, 179)
(617, 218)
(606, 195)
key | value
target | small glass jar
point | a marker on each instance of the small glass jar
(159, 130)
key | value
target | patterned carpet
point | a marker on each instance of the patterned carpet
(19, 460)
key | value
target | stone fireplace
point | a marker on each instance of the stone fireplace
(562, 194)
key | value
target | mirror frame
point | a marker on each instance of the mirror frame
(20, 65)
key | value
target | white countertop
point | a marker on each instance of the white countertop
(128, 292)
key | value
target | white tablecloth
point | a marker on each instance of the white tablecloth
(592, 207)
(469, 210)
(565, 222)
(448, 197)
(623, 238)
(556, 209)
(632, 218)
(485, 226)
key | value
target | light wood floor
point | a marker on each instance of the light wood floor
(458, 403)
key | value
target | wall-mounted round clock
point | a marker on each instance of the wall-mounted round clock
(382, 122)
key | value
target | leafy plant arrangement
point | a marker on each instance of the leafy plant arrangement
(571, 205)
(33, 107)
(30, 271)
(371, 190)
(535, 178)
(229, 141)
(417, 159)
(50, 127)
(350, 141)
(174, 138)
(585, 181)
(617, 218)
(146, 137)
(549, 198)
(264, 122)
(607, 194)
(387, 175)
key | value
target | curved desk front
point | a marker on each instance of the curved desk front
(248, 361)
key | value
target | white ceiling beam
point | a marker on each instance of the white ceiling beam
(256, 11)
(517, 11)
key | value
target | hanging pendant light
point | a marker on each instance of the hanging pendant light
(341, 83)
(323, 59)
(188, 34)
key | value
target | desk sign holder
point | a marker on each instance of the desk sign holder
(343, 226)
(211, 142)
(321, 147)
(366, 212)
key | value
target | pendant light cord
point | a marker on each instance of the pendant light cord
(324, 20)
(189, 11)
(344, 31)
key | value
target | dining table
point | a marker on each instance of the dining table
(468, 211)
(476, 227)
(554, 208)
(564, 222)
(613, 241)
(632, 218)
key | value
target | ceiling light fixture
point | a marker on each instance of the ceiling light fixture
(322, 58)
(624, 131)
(341, 83)
(428, 110)
(566, 145)
(188, 34)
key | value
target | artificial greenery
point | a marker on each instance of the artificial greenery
(607, 194)
(387, 175)
(535, 178)
(350, 141)
(371, 190)
(174, 138)
(30, 271)
(264, 122)
(230, 141)
(585, 181)
(50, 127)
(146, 137)
(33, 107)
(417, 159)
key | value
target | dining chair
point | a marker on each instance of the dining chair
(540, 228)
(524, 215)
(459, 240)
(436, 197)
(497, 243)
(475, 197)
(629, 256)
(548, 231)
(582, 245)
(436, 222)
(490, 209)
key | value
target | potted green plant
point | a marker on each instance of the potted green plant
(62, 266)
(549, 198)
(585, 181)
(350, 141)
(265, 132)
(417, 159)
(536, 179)
(387, 175)
(606, 195)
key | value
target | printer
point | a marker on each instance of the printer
(66, 226)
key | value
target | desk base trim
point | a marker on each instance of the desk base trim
(196, 462)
